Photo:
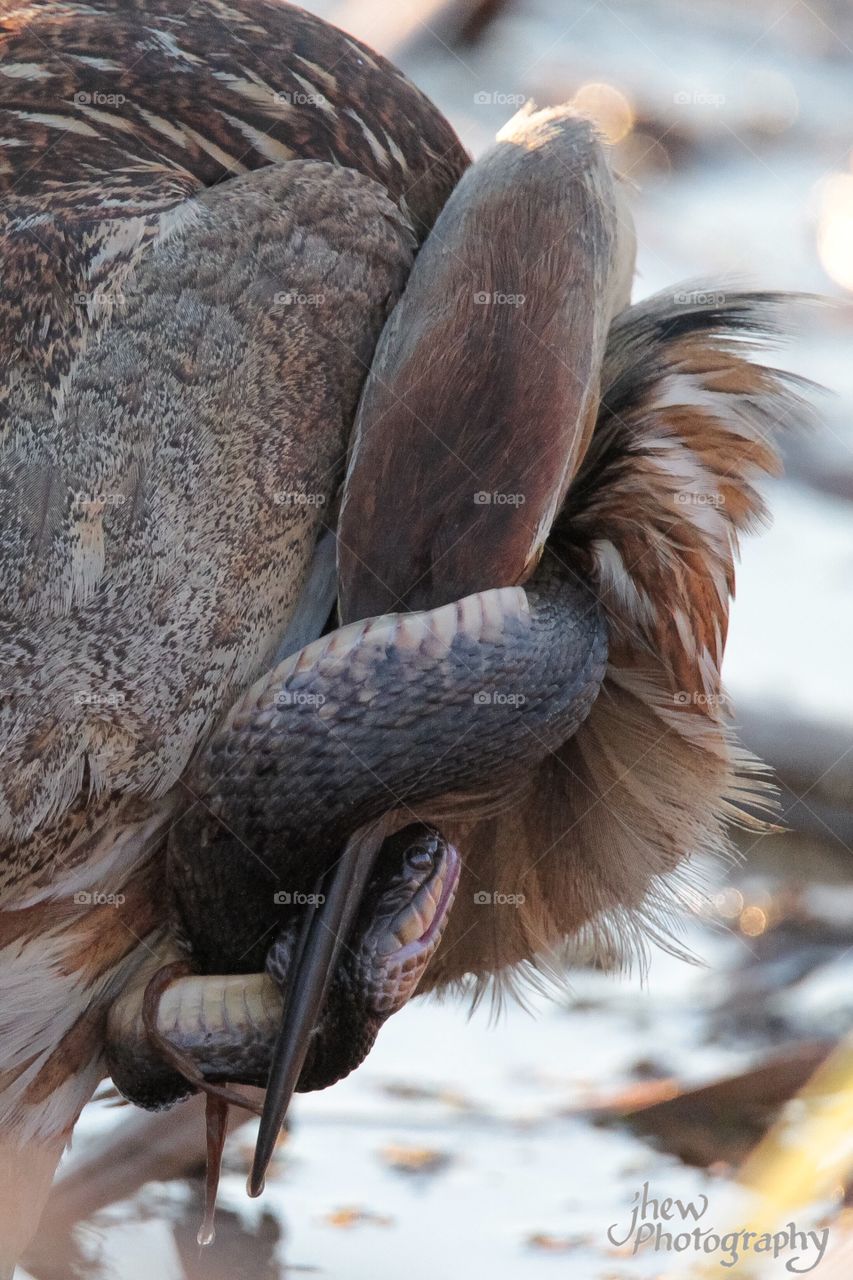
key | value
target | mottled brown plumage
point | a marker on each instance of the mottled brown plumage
(114, 96)
(205, 216)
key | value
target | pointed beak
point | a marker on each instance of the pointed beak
(324, 930)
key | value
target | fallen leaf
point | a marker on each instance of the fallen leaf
(555, 1244)
(353, 1216)
(414, 1159)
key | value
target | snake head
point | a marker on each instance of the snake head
(398, 927)
(403, 917)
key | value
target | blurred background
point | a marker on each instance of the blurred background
(508, 1147)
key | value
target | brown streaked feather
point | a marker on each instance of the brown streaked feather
(208, 91)
(200, 402)
(599, 842)
(686, 432)
(64, 968)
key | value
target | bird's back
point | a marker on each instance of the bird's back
(205, 217)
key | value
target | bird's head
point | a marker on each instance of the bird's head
(484, 387)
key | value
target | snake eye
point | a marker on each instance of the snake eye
(422, 856)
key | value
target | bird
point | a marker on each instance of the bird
(631, 439)
(522, 437)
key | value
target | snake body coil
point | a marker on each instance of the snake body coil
(379, 715)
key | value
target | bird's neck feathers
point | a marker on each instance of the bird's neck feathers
(598, 848)
(686, 433)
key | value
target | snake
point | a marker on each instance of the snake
(296, 766)
(226, 1030)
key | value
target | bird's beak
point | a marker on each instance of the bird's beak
(324, 930)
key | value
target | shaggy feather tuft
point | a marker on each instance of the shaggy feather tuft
(598, 848)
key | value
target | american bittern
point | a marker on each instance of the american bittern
(207, 219)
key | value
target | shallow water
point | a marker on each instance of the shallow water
(515, 1181)
(461, 1145)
